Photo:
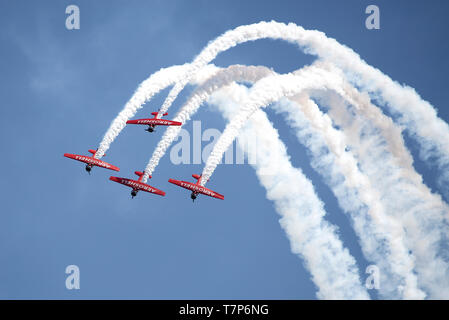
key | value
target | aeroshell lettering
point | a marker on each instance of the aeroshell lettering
(153, 121)
(197, 188)
(137, 185)
(92, 161)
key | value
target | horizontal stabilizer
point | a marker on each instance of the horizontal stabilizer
(155, 113)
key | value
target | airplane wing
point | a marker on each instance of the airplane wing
(154, 121)
(183, 184)
(169, 123)
(137, 185)
(141, 121)
(196, 188)
(100, 163)
(92, 161)
(211, 193)
(150, 189)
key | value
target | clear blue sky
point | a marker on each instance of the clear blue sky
(60, 90)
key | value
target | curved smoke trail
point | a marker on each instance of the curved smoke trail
(333, 269)
(329, 249)
(419, 116)
(271, 89)
(220, 78)
(400, 261)
(268, 90)
(405, 197)
(382, 236)
(146, 90)
(374, 140)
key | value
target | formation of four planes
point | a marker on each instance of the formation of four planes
(138, 185)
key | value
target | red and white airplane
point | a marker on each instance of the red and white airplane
(137, 185)
(155, 121)
(91, 161)
(196, 188)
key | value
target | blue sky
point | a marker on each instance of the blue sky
(61, 89)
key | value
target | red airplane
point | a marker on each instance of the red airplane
(137, 185)
(91, 161)
(196, 188)
(153, 122)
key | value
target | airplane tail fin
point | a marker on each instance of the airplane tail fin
(140, 174)
(155, 113)
(93, 152)
(198, 178)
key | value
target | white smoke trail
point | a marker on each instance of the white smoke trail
(401, 262)
(156, 82)
(220, 78)
(391, 132)
(266, 91)
(404, 196)
(333, 269)
(382, 236)
(417, 115)
(272, 88)
(146, 90)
